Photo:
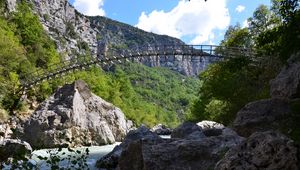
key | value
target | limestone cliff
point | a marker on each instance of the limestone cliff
(76, 34)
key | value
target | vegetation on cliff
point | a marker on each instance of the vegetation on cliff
(24, 47)
(227, 86)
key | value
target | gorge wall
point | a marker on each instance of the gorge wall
(75, 34)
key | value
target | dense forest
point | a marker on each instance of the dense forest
(146, 95)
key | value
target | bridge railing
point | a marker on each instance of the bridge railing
(191, 50)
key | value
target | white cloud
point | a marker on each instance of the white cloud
(195, 18)
(240, 8)
(245, 24)
(90, 7)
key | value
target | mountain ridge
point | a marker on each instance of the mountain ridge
(76, 34)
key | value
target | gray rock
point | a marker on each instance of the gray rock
(186, 129)
(11, 5)
(178, 154)
(76, 117)
(261, 115)
(110, 161)
(13, 148)
(262, 150)
(5, 131)
(143, 149)
(66, 26)
(287, 83)
(211, 128)
(207, 124)
(161, 129)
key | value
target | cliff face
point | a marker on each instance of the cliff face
(76, 34)
(69, 29)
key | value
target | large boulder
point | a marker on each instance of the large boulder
(14, 148)
(262, 150)
(74, 116)
(188, 130)
(211, 128)
(161, 129)
(287, 82)
(111, 160)
(170, 154)
(262, 115)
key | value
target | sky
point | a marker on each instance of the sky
(194, 21)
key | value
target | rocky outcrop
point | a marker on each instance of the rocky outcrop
(261, 115)
(143, 149)
(169, 154)
(262, 150)
(70, 30)
(287, 83)
(13, 148)
(187, 130)
(111, 160)
(161, 129)
(279, 112)
(74, 116)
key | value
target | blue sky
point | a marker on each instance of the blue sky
(195, 21)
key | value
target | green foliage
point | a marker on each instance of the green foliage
(76, 159)
(236, 36)
(227, 86)
(282, 39)
(3, 114)
(46, 17)
(166, 89)
(28, 25)
(262, 20)
(2, 7)
(24, 45)
(82, 45)
(70, 30)
(40, 48)
(146, 95)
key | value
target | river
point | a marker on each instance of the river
(95, 152)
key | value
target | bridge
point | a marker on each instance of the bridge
(108, 56)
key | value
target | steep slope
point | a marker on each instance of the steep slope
(76, 34)
(118, 33)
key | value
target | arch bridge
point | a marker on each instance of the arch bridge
(107, 56)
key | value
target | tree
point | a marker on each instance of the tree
(236, 36)
(262, 20)
(281, 39)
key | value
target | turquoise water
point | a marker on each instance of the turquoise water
(95, 153)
